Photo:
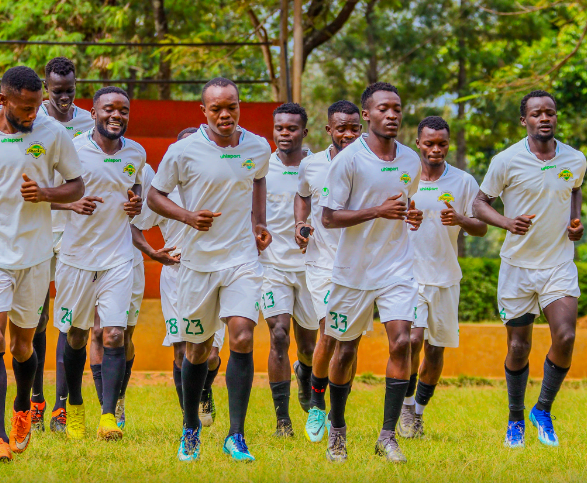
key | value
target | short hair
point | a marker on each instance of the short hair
(60, 66)
(187, 130)
(373, 88)
(538, 93)
(219, 82)
(21, 77)
(292, 108)
(344, 107)
(109, 90)
(433, 122)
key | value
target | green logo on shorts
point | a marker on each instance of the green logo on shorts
(257, 306)
(40, 311)
(326, 298)
(502, 314)
(325, 191)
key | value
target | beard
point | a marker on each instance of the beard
(107, 134)
(543, 137)
(338, 147)
(17, 125)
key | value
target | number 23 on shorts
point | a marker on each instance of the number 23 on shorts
(193, 327)
(339, 321)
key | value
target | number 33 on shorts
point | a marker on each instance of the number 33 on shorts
(340, 322)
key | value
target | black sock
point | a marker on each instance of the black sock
(412, 385)
(127, 373)
(338, 398)
(60, 381)
(395, 392)
(192, 382)
(177, 382)
(552, 382)
(113, 367)
(40, 347)
(3, 389)
(240, 371)
(424, 392)
(280, 392)
(318, 390)
(211, 376)
(97, 375)
(305, 371)
(74, 361)
(24, 373)
(516, 382)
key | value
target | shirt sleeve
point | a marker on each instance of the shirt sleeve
(495, 179)
(167, 177)
(579, 180)
(67, 162)
(338, 184)
(472, 189)
(264, 161)
(140, 177)
(303, 185)
(415, 182)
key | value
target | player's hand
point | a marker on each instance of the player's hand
(31, 191)
(202, 220)
(300, 240)
(449, 216)
(392, 208)
(414, 217)
(134, 205)
(575, 230)
(520, 224)
(86, 205)
(163, 257)
(262, 237)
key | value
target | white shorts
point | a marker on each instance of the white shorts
(350, 310)
(23, 292)
(525, 290)
(287, 293)
(138, 290)
(79, 292)
(206, 299)
(57, 237)
(319, 281)
(438, 312)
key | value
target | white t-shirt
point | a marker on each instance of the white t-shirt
(435, 245)
(529, 186)
(148, 175)
(377, 253)
(322, 244)
(25, 228)
(220, 180)
(80, 122)
(282, 184)
(103, 240)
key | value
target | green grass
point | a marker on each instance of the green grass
(465, 426)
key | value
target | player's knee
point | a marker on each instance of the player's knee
(77, 338)
(280, 339)
(179, 353)
(242, 341)
(43, 320)
(346, 355)
(97, 336)
(20, 349)
(401, 345)
(113, 337)
(416, 340)
(564, 342)
(434, 355)
(519, 349)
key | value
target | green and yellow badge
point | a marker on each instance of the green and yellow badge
(565, 174)
(248, 164)
(35, 150)
(405, 177)
(129, 169)
(446, 197)
(77, 133)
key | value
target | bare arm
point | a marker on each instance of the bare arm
(483, 211)
(575, 228)
(70, 191)
(472, 226)
(302, 210)
(392, 209)
(162, 256)
(262, 235)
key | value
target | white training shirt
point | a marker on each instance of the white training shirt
(435, 245)
(80, 122)
(220, 180)
(322, 243)
(282, 184)
(529, 186)
(377, 253)
(103, 240)
(148, 175)
(25, 228)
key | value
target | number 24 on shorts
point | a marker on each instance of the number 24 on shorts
(339, 321)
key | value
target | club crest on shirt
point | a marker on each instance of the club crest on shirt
(248, 164)
(565, 174)
(129, 169)
(36, 150)
(446, 197)
(77, 133)
(405, 177)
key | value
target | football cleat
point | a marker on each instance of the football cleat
(20, 432)
(207, 409)
(235, 446)
(189, 446)
(5, 452)
(336, 451)
(58, 421)
(284, 429)
(543, 421)
(388, 447)
(315, 425)
(418, 426)
(76, 421)
(304, 388)
(108, 430)
(38, 416)
(406, 421)
(514, 437)
(119, 413)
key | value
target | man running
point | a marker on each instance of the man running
(220, 172)
(539, 181)
(33, 149)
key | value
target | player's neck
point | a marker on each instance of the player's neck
(224, 141)
(383, 147)
(5, 126)
(291, 159)
(333, 150)
(108, 146)
(543, 150)
(58, 115)
(432, 172)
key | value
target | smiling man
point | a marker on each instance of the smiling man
(95, 267)
(539, 181)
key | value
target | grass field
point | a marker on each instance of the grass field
(465, 426)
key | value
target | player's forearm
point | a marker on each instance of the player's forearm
(68, 192)
(345, 218)
(302, 208)
(139, 241)
(137, 189)
(483, 211)
(473, 226)
(576, 202)
(162, 205)
(260, 202)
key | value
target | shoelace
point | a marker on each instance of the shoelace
(545, 419)
(519, 427)
(239, 442)
(191, 440)
(314, 418)
(62, 418)
(36, 414)
(20, 423)
(338, 444)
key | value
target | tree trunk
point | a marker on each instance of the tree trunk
(373, 67)
(162, 29)
(263, 37)
(461, 86)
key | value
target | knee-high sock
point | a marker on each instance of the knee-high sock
(74, 361)
(60, 381)
(127, 373)
(240, 371)
(319, 385)
(3, 388)
(395, 392)
(113, 367)
(551, 383)
(24, 373)
(193, 377)
(40, 347)
(177, 382)
(338, 397)
(281, 393)
(211, 376)
(516, 382)
(97, 376)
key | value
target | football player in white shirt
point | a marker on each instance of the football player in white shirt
(285, 293)
(367, 193)
(539, 180)
(220, 172)
(344, 127)
(60, 85)
(445, 195)
(96, 259)
(32, 149)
